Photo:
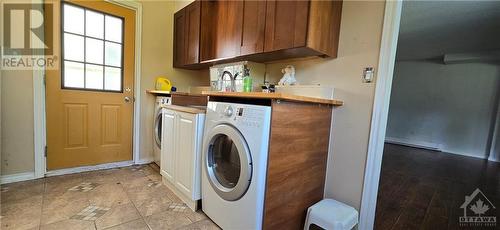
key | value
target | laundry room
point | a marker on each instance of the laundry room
(215, 114)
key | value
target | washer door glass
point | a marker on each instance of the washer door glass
(228, 162)
(225, 161)
(157, 130)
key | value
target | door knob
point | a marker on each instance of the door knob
(127, 99)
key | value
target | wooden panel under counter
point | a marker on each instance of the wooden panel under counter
(296, 170)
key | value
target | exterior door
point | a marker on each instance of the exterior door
(228, 162)
(89, 99)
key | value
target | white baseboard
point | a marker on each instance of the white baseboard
(432, 146)
(493, 159)
(465, 154)
(417, 144)
(144, 161)
(17, 177)
(89, 168)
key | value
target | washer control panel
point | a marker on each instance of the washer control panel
(241, 114)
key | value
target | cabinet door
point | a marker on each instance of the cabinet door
(179, 38)
(221, 23)
(185, 155)
(286, 24)
(168, 145)
(192, 33)
(254, 16)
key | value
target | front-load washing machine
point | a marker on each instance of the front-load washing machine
(235, 150)
(160, 102)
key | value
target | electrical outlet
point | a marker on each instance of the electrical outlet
(368, 74)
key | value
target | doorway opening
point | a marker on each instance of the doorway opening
(440, 165)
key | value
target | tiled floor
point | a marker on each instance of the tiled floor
(126, 198)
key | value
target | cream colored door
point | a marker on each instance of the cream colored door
(89, 99)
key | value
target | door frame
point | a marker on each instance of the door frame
(40, 129)
(387, 58)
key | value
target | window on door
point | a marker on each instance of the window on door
(92, 50)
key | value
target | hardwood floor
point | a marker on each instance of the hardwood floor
(422, 189)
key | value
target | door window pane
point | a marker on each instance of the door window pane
(113, 54)
(225, 161)
(114, 29)
(73, 19)
(113, 78)
(94, 51)
(73, 75)
(73, 47)
(93, 76)
(94, 24)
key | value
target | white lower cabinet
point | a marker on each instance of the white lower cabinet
(182, 137)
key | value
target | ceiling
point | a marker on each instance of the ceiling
(430, 29)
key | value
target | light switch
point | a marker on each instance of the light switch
(368, 74)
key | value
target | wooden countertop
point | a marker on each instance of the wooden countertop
(161, 92)
(158, 92)
(186, 109)
(277, 96)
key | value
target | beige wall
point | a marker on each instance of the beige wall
(17, 122)
(157, 47)
(360, 35)
(17, 97)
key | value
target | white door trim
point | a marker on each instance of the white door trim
(385, 72)
(39, 129)
(39, 96)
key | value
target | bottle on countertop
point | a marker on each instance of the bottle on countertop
(247, 81)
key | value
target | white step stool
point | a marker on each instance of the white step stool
(330, 214)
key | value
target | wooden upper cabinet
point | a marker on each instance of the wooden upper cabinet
(193, 13)
(179, 38)
(286, 25)
(215, 31)
(187, 35)
(309, 27)
(221, 26)
(254, 24)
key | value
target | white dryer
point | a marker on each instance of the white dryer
(235, 150)
(157, 126)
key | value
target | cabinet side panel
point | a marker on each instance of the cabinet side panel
(296, 169)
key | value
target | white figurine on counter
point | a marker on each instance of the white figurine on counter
(288, 76)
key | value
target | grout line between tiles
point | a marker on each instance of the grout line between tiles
(133, 204)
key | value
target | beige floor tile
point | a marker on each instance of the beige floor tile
(62, 207)
(69, 224)
(196, 216)
(136, 182)
(100, 177)
(61, 184)
(155, 177)
(153, 205)
(21, 190)
(117, 215)
(108, 195)
(14, 208)
(167, 220)
(201, 225)
(22, 214)
(138, 224)
(130, 193)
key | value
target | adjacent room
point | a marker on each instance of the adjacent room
(443, 131)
